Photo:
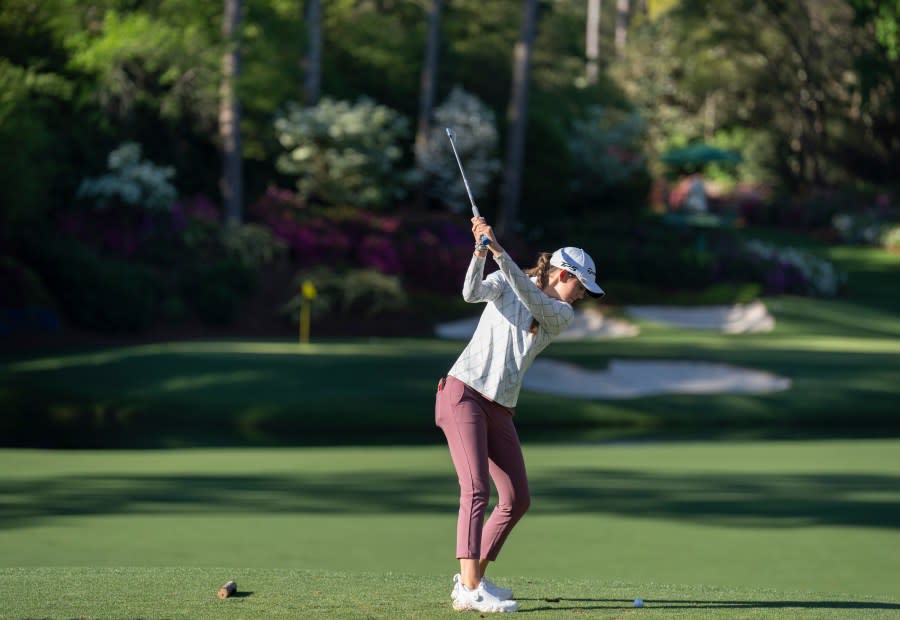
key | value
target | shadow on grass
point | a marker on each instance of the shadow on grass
(733, 499)
(274, 393)
(587, 604)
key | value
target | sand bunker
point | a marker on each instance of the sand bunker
(636, 378)
(587, 324)
(737, 319)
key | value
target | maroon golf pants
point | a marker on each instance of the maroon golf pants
(484, 446)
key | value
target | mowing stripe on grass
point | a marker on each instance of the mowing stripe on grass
(795, 515)
(290, 594)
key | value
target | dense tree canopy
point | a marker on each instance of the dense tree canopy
(807, 90)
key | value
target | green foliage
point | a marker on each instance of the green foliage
(252, 245)
(343, 153)
(214, 291)
(604, 149)
(165, 60)
(27, 141)
(348, 292)
(807, 91)
(757, 148)
(890, 237)
(373, 50)
(99, 293)
(20, 286)
(885, 16)
(705, 70)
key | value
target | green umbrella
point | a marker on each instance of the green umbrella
(700, 153)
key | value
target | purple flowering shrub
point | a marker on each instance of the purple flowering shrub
(118, 231)
(124, 231)
(426, 250)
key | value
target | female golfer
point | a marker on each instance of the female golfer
(475, 401)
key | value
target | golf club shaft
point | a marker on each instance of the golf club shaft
(475, 211)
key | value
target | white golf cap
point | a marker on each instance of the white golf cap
(579, 263)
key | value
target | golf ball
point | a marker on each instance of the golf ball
(638, 602)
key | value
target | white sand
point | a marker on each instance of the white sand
(587, 324)
(636, 378)
(737, 319)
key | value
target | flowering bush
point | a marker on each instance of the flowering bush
(791, 271)
(128, 205)
(475, 136)
(421, 248)
(343, 153)
(131, 182)
(869, 228)
(108, 231)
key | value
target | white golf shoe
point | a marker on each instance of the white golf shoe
(480, 599)
(504, 594)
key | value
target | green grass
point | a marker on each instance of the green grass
(749, 517)
(291, 594)
(729, 529)
(172, 394)
(839, 354)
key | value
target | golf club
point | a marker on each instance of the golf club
(475, 211)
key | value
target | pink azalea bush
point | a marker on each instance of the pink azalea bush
(422, 248)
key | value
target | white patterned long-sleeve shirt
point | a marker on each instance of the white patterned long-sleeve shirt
(502, 347)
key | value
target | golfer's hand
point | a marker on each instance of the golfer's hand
(480, 228)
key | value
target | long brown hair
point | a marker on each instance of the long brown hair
(542, 270)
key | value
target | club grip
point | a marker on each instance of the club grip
(484, 239)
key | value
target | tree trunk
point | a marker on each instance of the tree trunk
(623, 15)
(230, 115)
(516, 116)
(592, 41)
(312, 64)
(427, 85)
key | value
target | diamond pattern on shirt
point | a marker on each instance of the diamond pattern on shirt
(502, 348)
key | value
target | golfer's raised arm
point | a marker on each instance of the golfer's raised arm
(553, 315)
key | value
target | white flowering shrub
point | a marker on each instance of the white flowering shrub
(858, 228)
(604, 148)
(868, 228)
(791, 270)
(476, 138)
(131, 181)
(345, 153)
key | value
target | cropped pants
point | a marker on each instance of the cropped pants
(484, 446)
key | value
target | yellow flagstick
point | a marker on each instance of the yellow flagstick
(307, 294)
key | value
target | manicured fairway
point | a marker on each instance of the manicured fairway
(189, 593)
(820, 516)
(843, 362)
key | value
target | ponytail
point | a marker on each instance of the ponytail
(542, 271)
